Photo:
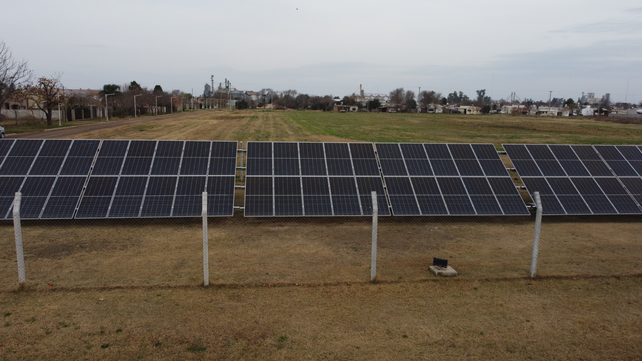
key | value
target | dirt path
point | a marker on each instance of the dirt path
(71, 132)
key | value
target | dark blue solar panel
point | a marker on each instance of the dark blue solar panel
(550, 203)
(113, 148)
(84, 148)
(60, 208)
(194, 166)
(16, 165)
(461, 151)
(47, 166)
(392, 167)
(259, 166)
(586, 152)
(437, 151)
(137, 166)
(55, 148)
(169, 148)
(259, 150)
(25, 148)
(550, 168)
(224, 149)
(362, 150)
(365, 167)
(257, 206)
(485, 151)
(630, 152)
(286, 150)
(222, 166)
(345, 198)
(313, 166)
(493, 167)
(10, 185)
(388, 150)
(125, 207)
(197, 149)
(413, 151)
(444, 167)
(540, 152)
(286, 166)
(108, 165)
(339, 166)
(93, 207)
(166, 166)
(517, 152)
(337, 150)
(77, 165)
(469, 167)
(526, 168)
(562, 152)
(366, 186)
(402, 196)
(311, 150)
(418, 167)
(5, 146)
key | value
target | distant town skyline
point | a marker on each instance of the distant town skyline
(330, 48)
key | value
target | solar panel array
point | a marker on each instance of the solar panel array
(50, 174)
(116, 178)
(63, 179)
(448, 179)
(312, 179)
(581, 179)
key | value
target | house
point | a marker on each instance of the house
(345, 108)
(468, 109)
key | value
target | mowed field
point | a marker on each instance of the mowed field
(298, 288)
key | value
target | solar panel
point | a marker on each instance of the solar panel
(160, 179)
(312, 179)
(579, 179)
(448, 179)
(64, 198)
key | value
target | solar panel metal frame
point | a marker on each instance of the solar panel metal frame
(260, 154)
(565, 160)
(441, 154)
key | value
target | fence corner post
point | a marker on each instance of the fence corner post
(373, 260)
(206, 253)
(538, 228)
(17, 228)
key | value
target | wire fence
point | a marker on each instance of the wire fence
(316, 250)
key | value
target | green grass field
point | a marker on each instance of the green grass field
(298, 288)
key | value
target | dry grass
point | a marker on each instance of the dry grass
(449, 319)
(297, 288)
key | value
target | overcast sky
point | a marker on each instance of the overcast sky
(332, 46)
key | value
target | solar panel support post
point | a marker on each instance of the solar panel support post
(373, 260)
(538, 227)
(206, 265)
(241, 163)
(22, 278)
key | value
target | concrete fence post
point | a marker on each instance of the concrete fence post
(22, 278)
(538, 228)
(206, 252)
(373, 260)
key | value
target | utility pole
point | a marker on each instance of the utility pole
(135, 109)
(107, 106)
(550, 93)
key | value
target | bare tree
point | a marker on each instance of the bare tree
(426, 98)
(13, 73)
(409, 100)
(46, 93)
(397, 97)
